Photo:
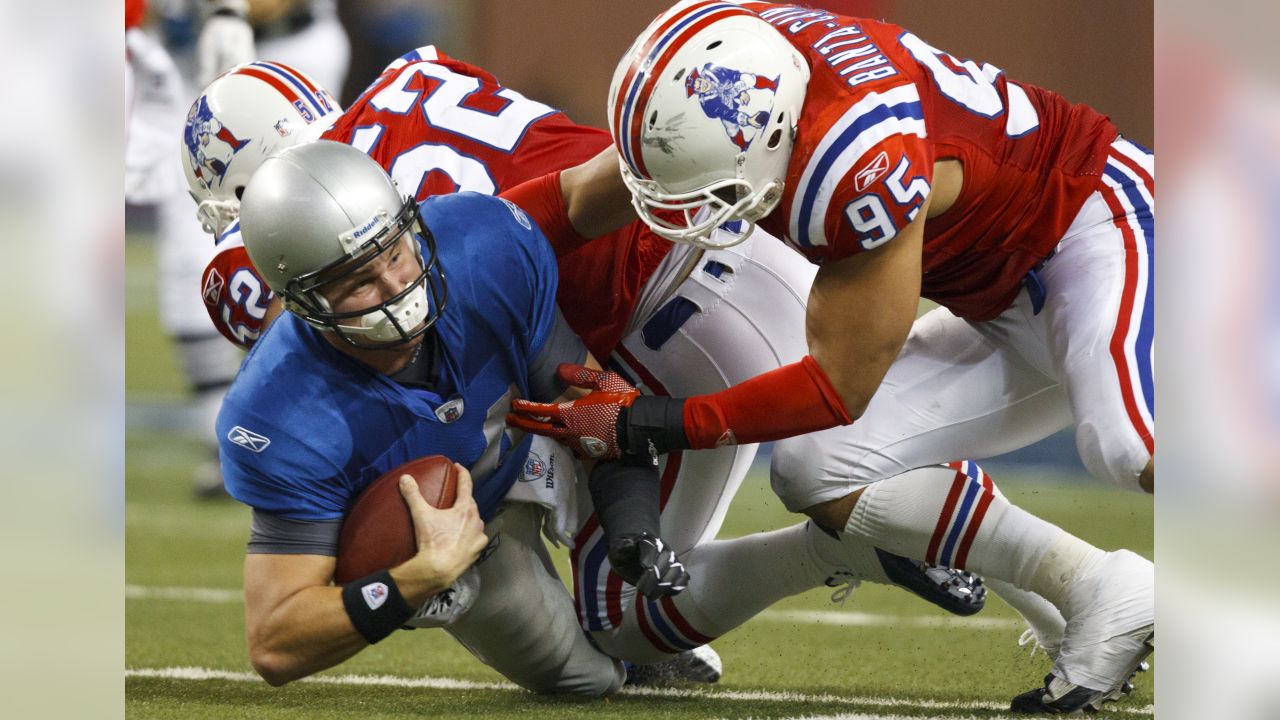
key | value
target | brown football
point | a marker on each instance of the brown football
(377, 533)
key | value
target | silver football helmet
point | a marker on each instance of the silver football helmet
(314, 214)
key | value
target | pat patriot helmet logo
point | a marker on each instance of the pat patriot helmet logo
(742, 102)
(248, 439)
(210, 144)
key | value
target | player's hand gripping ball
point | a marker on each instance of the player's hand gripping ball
(377, 534)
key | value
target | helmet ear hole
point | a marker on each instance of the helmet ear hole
(679, 74)
(775, 139)
(714, 45)
(653, 118)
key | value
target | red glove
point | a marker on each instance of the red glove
(588, 425)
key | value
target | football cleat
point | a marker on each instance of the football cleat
(956, 591)
(1060, 696)
(699, 665)
(1110, 632)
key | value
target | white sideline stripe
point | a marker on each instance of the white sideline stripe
(437, 683)
(191, 594)
(808, 617)
(861, 619)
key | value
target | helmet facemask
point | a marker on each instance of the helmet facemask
(394, 322)
(703, 210)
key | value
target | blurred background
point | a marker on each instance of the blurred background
(83, 272)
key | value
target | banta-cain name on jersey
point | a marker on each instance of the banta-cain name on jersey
(846, 48)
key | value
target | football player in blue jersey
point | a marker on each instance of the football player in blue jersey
(411, 328)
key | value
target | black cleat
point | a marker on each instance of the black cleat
(956, 591)
(1060, 696)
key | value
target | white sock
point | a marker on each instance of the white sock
(1040, 614)
(849, 553)
(731, 581)
(952, 516)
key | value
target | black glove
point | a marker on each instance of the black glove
(647, 563)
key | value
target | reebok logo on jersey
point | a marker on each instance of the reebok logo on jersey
(518, 213)
(248, 439)
(872, 172)
(213, 288)
(374, 594)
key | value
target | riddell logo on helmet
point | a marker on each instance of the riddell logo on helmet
(872, 172)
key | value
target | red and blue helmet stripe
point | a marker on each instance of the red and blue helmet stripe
(311, 102)
(647, 66)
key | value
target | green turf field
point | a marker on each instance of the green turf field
(881, 654)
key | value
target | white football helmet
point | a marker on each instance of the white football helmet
(703, 109)
(241, 118)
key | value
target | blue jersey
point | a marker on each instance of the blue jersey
(304, 427)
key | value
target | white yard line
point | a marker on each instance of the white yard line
(189, 594)
(435, 683)
(804, 617)
(861, 619)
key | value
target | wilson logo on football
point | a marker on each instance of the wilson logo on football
(248, 439)
(213, 285)
(872, 172)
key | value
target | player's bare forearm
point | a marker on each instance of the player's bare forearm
(595, 197)
(860, 311)
(295, 622)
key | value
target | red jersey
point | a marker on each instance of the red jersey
(438, 125)
(881, 106)
(234, 293)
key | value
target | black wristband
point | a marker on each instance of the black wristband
(626, 498)
(375, 606)
(652, 426)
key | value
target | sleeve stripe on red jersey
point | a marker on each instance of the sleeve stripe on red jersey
(863, 126)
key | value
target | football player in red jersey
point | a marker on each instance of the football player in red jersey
(680, 319)
(904, 172)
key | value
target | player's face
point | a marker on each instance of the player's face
(377, 281)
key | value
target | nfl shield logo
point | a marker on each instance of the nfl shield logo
(450, 411)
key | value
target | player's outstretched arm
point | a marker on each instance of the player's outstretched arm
(595, 198)
(860, 312)
(575, 205)
(297, 623)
